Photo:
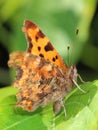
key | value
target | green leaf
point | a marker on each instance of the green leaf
(82, 112)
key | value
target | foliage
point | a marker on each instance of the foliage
(82, 112)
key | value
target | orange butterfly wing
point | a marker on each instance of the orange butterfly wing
(39, 44)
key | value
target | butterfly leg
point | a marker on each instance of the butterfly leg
(58, 105)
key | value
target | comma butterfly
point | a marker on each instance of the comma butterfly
(42, 76)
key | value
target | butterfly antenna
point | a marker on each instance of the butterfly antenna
(68, 48)
(69, 62)
(77, 32)
(74, 43)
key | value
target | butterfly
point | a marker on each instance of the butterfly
(42, 77)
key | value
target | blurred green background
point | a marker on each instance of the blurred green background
(59, 20)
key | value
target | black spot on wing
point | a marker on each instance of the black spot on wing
(39, 48)
(36, 37)
(39, 34)
(48, 47)
(41, 55)
(56, 57)
(53, 59)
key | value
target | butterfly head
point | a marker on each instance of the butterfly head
(73, 73)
